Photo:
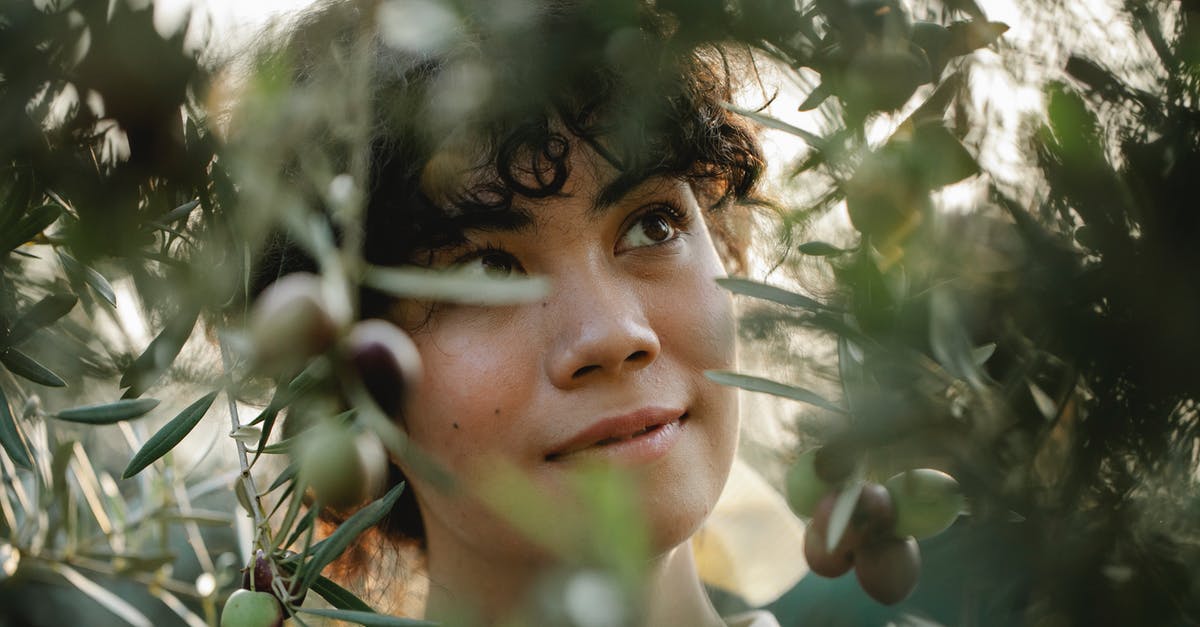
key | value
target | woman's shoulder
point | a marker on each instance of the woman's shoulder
(754, 618)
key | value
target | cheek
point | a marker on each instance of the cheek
(474, 384)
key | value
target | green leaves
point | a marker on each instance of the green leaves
(774, 388)
(456, 286)
(94, 279)
(23, 365)
(770, 292)
(109, 413)
(41, 314)
(331, 547)
(338, 596)
(171, 434)
(29, 226)
(159, 355)
(10, 435)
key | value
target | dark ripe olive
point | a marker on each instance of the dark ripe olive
(259, 577)
(888, 569)
(820, 561)
(245, 608)
(875, 513)
(386, 361)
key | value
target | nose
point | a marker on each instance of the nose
(600, 330)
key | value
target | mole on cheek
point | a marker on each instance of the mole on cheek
(456, 425)
(497, 412)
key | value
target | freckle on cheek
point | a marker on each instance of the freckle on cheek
(456, 425)
(497, 412)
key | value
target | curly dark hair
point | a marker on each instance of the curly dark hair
(605, 76)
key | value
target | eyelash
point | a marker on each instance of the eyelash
(679, 219)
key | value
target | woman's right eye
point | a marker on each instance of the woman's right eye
(490, 263)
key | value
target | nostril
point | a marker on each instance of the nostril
(637, 356)
(584, 370)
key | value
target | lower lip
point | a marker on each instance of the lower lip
(643, 449)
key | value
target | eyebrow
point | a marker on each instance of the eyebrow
(519, 219)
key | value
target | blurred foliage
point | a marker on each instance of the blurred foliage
(1039, 351)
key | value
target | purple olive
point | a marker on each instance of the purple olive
(386, 361)
(888, 569)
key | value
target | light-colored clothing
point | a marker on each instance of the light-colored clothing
(755, 618)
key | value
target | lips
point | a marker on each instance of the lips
(639, 429)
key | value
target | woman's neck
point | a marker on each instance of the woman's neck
(497, 592)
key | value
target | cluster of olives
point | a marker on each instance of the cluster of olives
(880, 540)
(255, 604)
(302, 316)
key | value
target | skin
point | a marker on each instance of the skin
(633, 320)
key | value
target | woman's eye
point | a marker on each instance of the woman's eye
(650, 229)
(491, 264)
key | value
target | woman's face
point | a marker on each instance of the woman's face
(608, 368)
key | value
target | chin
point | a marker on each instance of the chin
(682, 498)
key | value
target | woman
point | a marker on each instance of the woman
(600, 158)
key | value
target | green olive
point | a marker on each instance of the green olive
(342, 467)
(804, 487)
(927, 501)
(290, 323)
(246, 608)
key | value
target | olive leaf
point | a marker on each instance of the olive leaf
(171, 434)
(456, 286)
(10, 436)
(159, 355)
(367, 619)
(338, 596)
(333, 546)
(33, 223)
(42, 313)
(774, 294)
(812, 139)
(759, 384)
(109, 413)
(819, 249)
(96, 280)
(843, 511)
(23, 365)
(103, 596)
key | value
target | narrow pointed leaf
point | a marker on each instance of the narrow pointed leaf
(843, 511)
(331, 547)
(109, 601)
(160, 354)
(109, 413)
(10, 436)
(816, 97)
(367, 619)
(33, 223)
(96, 280)
(41, 314)
(338, 596)
(171, 434)
(21, 364)
(812, 139)
(457, 286)
(819, 249)
(774, 294)
(178, 213)
(766, 386)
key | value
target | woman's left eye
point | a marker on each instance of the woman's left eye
(651, 228)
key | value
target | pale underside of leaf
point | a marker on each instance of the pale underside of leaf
(774, 388)
(457, 286)
(109, 413)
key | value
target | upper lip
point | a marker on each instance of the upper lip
(617, 427)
